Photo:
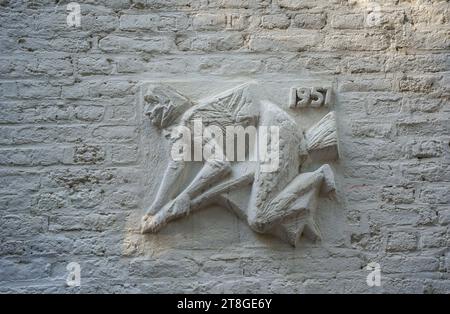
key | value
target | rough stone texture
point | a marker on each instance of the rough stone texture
(75, 175)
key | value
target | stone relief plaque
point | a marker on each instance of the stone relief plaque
(244, 148)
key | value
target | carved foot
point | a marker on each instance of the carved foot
(176, 208)
(150, 224)
(328, 185)
(154, 208)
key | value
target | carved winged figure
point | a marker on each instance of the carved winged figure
(281, 202)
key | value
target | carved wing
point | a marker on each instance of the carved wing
(222, 110)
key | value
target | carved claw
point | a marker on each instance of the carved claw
(149, 224)
(174, 209)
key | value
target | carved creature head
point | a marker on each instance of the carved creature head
(164, 105)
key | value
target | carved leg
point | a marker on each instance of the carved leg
(210, 173)
(168, 188)
(181, 205)
(299, 197)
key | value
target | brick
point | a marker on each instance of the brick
(86, 154)
(42, 134)
(8, 89)
(434, 238)
(444, 217)
(240, 4)
(368, 129)
(423, 149)
(356, 42)
(37, 90)
(421, 171)
(217, 42)
(435, 194)
(91, 222)
(418, 126)
(367, 85)
(415, 63)
(348, 21)
(138, 22)
(87, 90)
(115, 133)
(296, 4)
(279, 42)
(34, 111)
(401, 241)
(209, 22)
(372, 64)
(280, 21)
(422, 104)
(124, 154)
(416, 84)
(94, 65)
(163, 268)
(398, 194)
(88, 113)
(56, 66)
(397, 264)
(423, 39)
(99, 23)
(373, 149)
(151, 45)
(31, 157)
(310, 20)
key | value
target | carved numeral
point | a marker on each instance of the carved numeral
(328, 98)
(303, 97)
(293, 97)
(317, 97)
(314, 97)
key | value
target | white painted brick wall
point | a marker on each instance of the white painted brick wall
(73, 172)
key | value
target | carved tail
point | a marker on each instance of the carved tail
(322, 143)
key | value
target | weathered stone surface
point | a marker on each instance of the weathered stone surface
(280, 200)
(79, 163)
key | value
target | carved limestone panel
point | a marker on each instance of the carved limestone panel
(250, 149)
